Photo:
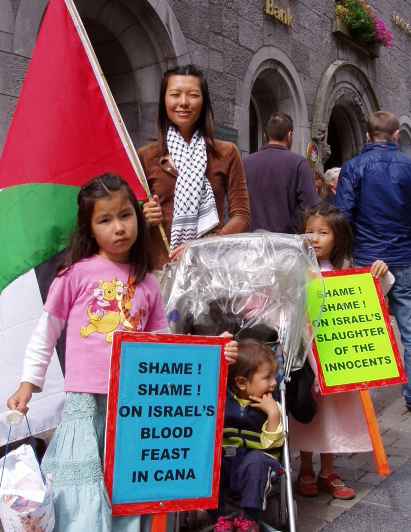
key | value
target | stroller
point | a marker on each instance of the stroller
(253, 286)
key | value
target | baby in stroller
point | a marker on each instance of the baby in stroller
(253, 286)
(253, 428)
(253, 438)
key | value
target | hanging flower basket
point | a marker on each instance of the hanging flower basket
(342, 32)
(357, 23)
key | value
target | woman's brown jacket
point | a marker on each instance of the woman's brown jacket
(225, 173)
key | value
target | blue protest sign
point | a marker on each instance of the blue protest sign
(164, 423)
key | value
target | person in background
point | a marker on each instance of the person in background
(190, 173)
(331, 178)
(374, 193)
(331, 181)
(280, 182)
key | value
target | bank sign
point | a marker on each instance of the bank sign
(354, 345)
(164, 422)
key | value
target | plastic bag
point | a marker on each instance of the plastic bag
(251, 282)
(26, 498)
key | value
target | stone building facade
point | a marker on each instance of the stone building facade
(258, 55)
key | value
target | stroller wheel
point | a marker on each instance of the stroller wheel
(276, 516)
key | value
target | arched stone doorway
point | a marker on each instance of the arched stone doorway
(405, 135)
(134, 48)
(270, 93)
(271, 84)
(346, 132)
(344, 100)
(135, 42)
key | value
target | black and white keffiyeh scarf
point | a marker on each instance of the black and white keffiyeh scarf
(195, 212)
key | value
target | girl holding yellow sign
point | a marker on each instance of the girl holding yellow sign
(339, 425)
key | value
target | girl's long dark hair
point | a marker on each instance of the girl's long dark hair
(342, 232)
(84, 245)
(205, 122)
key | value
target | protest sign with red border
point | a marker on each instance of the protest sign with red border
(354, 343)
(164, 457)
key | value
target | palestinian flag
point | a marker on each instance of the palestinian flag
(66, 130)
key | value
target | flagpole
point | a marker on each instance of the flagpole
(112, 107)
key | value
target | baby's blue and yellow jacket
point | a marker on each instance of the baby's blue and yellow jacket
(246, 426)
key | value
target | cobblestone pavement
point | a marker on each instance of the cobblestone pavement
(381, 505)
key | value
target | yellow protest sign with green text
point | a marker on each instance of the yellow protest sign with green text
(354, 342)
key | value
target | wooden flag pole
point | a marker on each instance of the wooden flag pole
(112, 107)
(383, 467)
(159, 523)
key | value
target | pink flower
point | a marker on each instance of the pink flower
(382, 34)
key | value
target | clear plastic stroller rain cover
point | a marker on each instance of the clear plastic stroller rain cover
(250, 284)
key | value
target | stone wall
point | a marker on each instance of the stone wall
(227, 38)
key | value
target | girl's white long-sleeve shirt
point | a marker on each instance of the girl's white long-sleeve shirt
(40, 348)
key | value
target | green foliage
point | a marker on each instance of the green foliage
(358, 18)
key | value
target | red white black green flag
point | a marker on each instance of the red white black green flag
(66, 130)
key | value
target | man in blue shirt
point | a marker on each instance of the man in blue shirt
(374, 192)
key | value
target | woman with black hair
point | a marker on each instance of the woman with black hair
(189, 172)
